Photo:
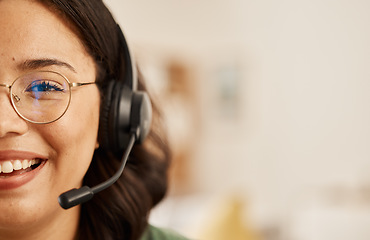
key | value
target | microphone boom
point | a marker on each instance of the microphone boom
(75, 196)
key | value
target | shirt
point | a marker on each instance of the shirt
(154, 233)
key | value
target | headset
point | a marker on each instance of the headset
(124, 109)
(125, 119)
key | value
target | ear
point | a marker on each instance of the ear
(97, 145)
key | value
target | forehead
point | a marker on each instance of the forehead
(26, 17)
(30, 30)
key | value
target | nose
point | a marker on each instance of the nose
(10, 122)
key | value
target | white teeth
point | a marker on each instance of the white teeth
(17, 165)
(7, 167)
(24, 164)
(10, 166)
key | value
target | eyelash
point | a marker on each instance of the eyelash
(44, 86)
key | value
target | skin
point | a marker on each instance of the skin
(29, 31)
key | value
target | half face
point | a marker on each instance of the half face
(40, 161)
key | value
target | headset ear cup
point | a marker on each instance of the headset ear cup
(141, 115)
(123, 111)
(105, 109)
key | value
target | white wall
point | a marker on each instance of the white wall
(303, 91)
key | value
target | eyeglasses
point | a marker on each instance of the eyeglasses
(41, 97)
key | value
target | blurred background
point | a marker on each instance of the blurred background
(267, 108)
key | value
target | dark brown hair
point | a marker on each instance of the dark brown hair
(121, 211)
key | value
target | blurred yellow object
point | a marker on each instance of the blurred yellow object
(228, 224)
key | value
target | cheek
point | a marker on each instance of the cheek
(73, 139)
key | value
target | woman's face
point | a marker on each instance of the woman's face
(31, 36)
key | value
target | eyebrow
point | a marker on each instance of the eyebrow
(34, 64)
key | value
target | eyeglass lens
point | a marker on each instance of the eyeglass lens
(40, 97)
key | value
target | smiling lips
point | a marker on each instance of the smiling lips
(18, 168)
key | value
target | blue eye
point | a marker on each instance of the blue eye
(44, 86)
(45, 90)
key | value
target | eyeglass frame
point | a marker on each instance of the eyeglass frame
(71, 85)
